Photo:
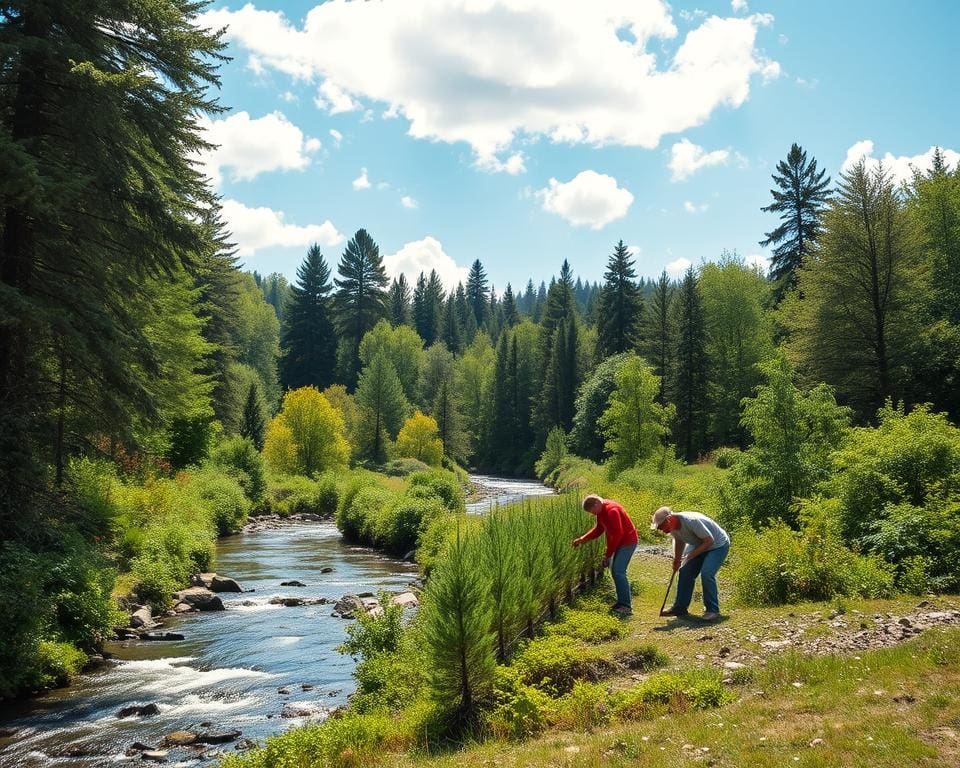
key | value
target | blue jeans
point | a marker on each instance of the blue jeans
(618, 569)
(705, 566)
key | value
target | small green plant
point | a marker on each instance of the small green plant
(55, 664)
(588, 627)
(521, 711)
(673, 691)
(584, 708)
(554, 663)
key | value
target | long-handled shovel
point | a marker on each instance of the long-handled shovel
(669, 587)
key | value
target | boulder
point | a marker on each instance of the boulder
(348, 606)
(154, 755)
(224, 584)
(180, 739)
(406, 599)
(139, 710)
(137, 747)
(204, 580)
(221, 737)
(733, 665)
(326, 569)
(292, 584)
(182, 608)
(142, 617)
(164, 636)
(200, 598)
(365, 594)
(301, 709)
(289, 602)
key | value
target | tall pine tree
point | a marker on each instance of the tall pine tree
(691, 369)
(477, 294)
(658, 336)
(308, 341)
(621, 306)
(360, 300)
(400, 301)
(800, 198)
(254, 424)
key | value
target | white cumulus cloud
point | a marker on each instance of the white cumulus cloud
(901, 167)
(739, 6)
(589, 199)
(408, 202)
(758, 261)
(245, 147)
(253, 229)
(686, 158)
(362, 181)
(677, 267)
(491, 73)
(694, 208)
(422, 256)
(336, 136)
(634, 250)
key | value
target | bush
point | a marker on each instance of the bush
(239, 458)
(222, 497)
(404, 466)
(362, 515)
(725, 458)
(442, 484)
(553, 454)
(675, 692)
(54, 665)
(779, 565)
(588, 627)
(21, 574)
(91, 487)
(584, 708)
(80, 586)
(521, 711)
(406, 519)
(554, 663)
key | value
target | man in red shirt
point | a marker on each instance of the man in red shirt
(621, 534)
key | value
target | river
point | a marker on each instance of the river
(235, 669)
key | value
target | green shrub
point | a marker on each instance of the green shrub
(223, 498)
(239, 458)
(442, 484)
(725, 458)
(779, 565)
(21, 574)
(553, 454)
(365, 517)
(554, 663)
(675, 692)
(404, 466)
(521, 711)
(80, 586)
(584, 708)
(91, 485)
(588, 626)
(405, 520)
(54, 665)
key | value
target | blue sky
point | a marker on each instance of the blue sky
(523, 132)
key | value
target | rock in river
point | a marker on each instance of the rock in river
(214, 582)
(220, 737)
(301, 709)
(348, 606)
(139, 710)
(179, 739)
(406, 599)
(161, 636)
(155, 755)
(293, 583)
(200, 598)
(142, 617)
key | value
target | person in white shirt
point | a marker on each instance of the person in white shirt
(700, 546)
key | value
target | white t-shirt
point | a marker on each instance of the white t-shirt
(695, 527)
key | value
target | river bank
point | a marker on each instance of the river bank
(236, 669)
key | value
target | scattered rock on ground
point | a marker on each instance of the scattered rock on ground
(139, 710)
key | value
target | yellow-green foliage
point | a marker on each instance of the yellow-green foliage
(307, 436)
(554, 663)
(55, 664)
(779, 565)
(673, 692)
(297, 495)
(587, 626)
(643, 489)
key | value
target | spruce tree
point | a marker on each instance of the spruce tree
(502, 446)
(428, 308)
(457, 621)
(691, 369)
(511, 316)
(559, 379)
(477, 295)
(658, 335)
(400, 302)
(308, 340)
(620, 309)
(800, 198)
(446, 412)
(452, 326)
(383, 406)
(254, 424)
(361, 297)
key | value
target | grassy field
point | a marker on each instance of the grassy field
(791, 704)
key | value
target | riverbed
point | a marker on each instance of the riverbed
(235, 669)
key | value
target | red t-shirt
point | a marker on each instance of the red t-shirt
(613, 520)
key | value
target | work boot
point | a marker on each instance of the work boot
(623, 611)
(711, 616)
(679, 613)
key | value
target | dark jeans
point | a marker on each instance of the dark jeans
(705, 566)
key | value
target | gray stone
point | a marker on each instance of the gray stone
(139, 710)
(200, 598)
(224, 584)
(292, 584)
(155, 755)
(142, 617)
(218, 738)
(301, 709)
(406, 599)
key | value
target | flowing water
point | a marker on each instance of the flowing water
(229, 670)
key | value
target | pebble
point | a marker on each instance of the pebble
(816, 742)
